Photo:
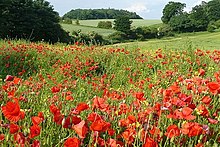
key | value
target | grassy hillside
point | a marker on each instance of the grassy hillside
(136, 22)
(86, 29)
(202, 40)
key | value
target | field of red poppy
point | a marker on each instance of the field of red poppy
(54, 95)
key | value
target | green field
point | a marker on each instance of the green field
(87, 26)
(202, 40)
(135, 22)
(86, 29)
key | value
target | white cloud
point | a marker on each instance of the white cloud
(198, 2)
(138, 7)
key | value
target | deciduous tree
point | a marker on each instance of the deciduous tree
(172, 9)
(123, 24)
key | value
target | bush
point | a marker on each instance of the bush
(67, 21)
(217, 24)
(165, 30)
(89, 39)
(77, 22)
(117, 37)
(211, 27)
(105, 24)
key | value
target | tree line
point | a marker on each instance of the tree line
(202, 17)
(83, 14)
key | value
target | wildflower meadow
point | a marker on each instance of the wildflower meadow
(76, 95)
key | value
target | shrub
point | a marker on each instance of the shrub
(77, 22)
(92, 38)
(105, 24)
(211, 27)
(67, 21)
(117, 37)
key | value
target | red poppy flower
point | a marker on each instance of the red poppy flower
(172, 131)
(12, 111)
(100, 125)
(203, 111)
(20, 138)
(213, 87)
(99, 103)
(131, 119)
(94, 117)
(155, 131)
(111, 132)
(201, 72)
(76, 120)
(58, 118)
(2, 137)
(16, 80)
(199, 145)
(36, 143)
(191, 129)
(187, 113)
(140, 96)
(81, 129)
(128, 135)
(34, 131)
(55, 89)
(206, 100)
(67, 123)
(72, 142)
(150, 143)
(69, 98)
(41, 115)
(14, 128)
(112, 143)
(54, 109)
(36, 120)
(195, 130)
(212, 121)
(82, 106)
(9, 78)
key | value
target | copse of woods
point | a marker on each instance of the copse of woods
(33, 20)
(201, 18)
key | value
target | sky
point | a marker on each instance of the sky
(148, 9)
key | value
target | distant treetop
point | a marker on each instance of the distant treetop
(83, 14)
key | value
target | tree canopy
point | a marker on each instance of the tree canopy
(30, 19)
(83, 14)
(123, 24)
(200, 18)
(172, 9)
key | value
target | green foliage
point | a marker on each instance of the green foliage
(172, 9)
(117, 37)
(165, 30)
(35, 20)
(211, 26)
(77, 22)
(213, 11)
(217, 24)
(122, 24)
(143, 33)
(199, 18)
(105, 24)
(83, 14)
(91, 38)
(66, 21)
(181, 23)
